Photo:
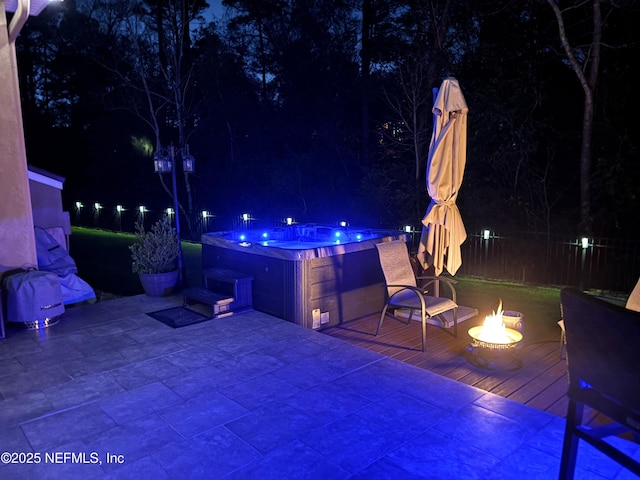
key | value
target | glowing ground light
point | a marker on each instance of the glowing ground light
(265, 235)
(359, 236)
(243, 237)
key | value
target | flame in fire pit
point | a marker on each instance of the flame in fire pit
(493, 330)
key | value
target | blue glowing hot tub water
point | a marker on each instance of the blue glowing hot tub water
(301, 271)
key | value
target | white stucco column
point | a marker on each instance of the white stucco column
(17, 240)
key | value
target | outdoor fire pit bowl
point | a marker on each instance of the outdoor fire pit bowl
(494, 353)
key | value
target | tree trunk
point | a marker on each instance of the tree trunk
(588, 86)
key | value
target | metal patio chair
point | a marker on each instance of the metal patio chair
(603, 356)
(403, 292)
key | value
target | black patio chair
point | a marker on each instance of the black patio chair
(603, 358)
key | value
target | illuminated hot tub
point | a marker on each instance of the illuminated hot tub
(312, 275)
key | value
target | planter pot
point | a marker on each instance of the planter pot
(159, 284)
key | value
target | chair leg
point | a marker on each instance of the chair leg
(563, 341)
(570, 443)
(455, 322)
(384, 312)
(424, 332)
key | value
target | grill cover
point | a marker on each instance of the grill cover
(33, 295)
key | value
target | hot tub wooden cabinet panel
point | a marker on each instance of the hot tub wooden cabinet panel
(346, 282)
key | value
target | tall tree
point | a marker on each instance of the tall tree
(585, 63)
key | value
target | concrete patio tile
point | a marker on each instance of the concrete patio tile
(526, 462)
(441, 392)
(143, 468)
(480, 427)
(242, 343)
(202, 413)
(436, 456)
(118, 326)
(250, 365)
(133, 440)
(30, 405)
(211, 454)
(81, 390)
(49, 355)
(346, 358)
(139, 402)
(273, 426)
(148, 350)
(260, 391)
(384, 469)
(354, 442)
(197, 382)
(327, 402)
(549, 438)
(308, 372)
(32, 381)
(291, 352)
(11, 366)
(63, 427)
(198, 356)
(12, 439)
(295, 460)
(513, 410)
(88, 344)
(22, 343)
(365, 383)
(94, 363)
(406, 415)
(283, 330)
(136, 374)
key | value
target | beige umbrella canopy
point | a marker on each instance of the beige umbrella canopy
(443, 231)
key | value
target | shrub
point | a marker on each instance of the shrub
(156, 250)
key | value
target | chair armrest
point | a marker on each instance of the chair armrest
(417, 290)
(433, 279)
(449, 282)
(407, 287)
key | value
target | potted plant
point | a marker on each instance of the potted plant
(155, 257)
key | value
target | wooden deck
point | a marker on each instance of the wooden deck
(541, 382)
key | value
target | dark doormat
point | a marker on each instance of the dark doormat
(177, 317)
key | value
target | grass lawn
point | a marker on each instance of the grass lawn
(104, 261)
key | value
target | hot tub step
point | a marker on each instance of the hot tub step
(233, 284)
(220, 304)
